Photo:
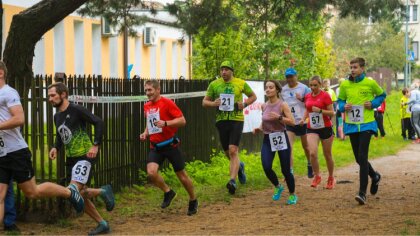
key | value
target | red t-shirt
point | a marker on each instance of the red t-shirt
(322, 100)
(167, 110)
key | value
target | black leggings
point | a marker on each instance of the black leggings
(360, 145)
(267, 158)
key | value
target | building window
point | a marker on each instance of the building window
(414, 13)
(415, 48)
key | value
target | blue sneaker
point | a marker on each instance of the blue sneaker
(277, 192)
(102, 228)
(76, 199)
(231, 186)
(108, 197)
(292, 199)
(241, 173)
(310, 171)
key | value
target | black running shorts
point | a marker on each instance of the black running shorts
(81, 170)
(16, 165)
(298, 130)
(324, 133)
(230, 132)
(173, 154)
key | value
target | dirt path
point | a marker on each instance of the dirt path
(319, 211)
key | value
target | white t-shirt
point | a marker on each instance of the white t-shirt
(12, 138)
(296, 106)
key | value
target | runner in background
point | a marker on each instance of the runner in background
(319, 110)
(225, 94)
(326, 87)
(293, 94)
(338, 115)
(163, 119)
(407, 130)
(414, 104)
(379, 117)
(358, 96)
(276, 114)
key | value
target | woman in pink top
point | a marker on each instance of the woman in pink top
(276, 114)
(319, 110)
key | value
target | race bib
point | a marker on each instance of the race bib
(277, 141)
(151, 127)
(3, 151)
(316, 120)
(80, 172)
(297, 114)
(227, 102)
(356, 114)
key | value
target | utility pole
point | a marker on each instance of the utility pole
(407, 18)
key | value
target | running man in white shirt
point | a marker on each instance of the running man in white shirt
(293, 94)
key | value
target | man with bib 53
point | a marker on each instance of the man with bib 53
(359, 95)
(71, 121)
(226, 94)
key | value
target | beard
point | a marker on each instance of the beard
(57, 104)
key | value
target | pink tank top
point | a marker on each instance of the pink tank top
(268, 125)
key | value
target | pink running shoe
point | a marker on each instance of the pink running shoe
(330, 183)
(316, 181)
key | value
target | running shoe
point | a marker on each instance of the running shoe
(316, 181)
(277, 192)
(102, 228)
(292, 199)
(108, 197)
(310, 171)
(11, 228)
(231, 186)
(361, 198)
(375, 184)
(330, 182)
(167, 198)
(76, 199)
(241, 173)
(192, 207)
(416, 141)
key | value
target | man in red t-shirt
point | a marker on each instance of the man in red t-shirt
(163, 118)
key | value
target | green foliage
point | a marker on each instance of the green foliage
(256, 53)
(208, 16)
(351, 40)
(324, 59)
(120, 14)
(232, 45)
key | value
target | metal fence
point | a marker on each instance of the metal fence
(121, 154)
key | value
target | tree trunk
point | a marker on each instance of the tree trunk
(26, 30)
